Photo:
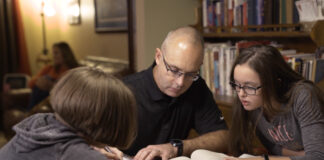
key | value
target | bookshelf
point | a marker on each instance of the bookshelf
(304, 38)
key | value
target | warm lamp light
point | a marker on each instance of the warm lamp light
(74, 10)
(47, 10)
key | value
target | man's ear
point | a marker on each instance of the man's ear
(158, 55)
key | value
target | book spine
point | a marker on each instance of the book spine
(205, 13)
(283, 12)
(251, 12)
(275, 12)
(260, 12)
(268, 11)
(289, 11)
(210, 13)
(230, 13)
(295, 13)
(245, 12)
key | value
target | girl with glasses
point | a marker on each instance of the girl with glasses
(276, 104)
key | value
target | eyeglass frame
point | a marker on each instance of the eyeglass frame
(177, 73)
(234, 85)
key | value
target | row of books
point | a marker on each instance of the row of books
(216, 67)
(307, 65)
(219, 58)
(248, 12)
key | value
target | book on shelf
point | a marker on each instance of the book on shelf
(295, 13)
(213, 66)
(318, 71)
(244, 13)
(282, 12)
(259, 12)
(225, 10)
(268, 8)
(216, 67)
(210, 13)
(204, 13)
(251, 12)
(219, 18)
(230, 54)
(289, 11)
(230, 13)
(276, 12)
(310, 67)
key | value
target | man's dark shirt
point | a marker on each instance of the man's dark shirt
(161, 118)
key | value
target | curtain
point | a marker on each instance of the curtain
(22, 48)
(13, 51)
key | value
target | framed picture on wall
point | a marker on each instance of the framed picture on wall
(110, 15)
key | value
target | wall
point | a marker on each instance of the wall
(30, 11)
(82, 38)
(154, 19)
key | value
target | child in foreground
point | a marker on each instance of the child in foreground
(91, 108)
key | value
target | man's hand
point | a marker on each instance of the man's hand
(165, 151)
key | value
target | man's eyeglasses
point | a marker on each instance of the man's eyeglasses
(248, 90)
(177, 73)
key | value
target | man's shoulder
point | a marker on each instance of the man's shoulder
(136, 77)
(199, 86)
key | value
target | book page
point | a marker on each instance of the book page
(202, 154)
(247, 156)
(180, 158)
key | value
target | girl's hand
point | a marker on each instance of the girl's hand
(113, 152)
(44, 83)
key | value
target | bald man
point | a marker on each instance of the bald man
(172, 99)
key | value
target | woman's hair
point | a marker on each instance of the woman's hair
(97, 105)
(67, 54)
(277, 80)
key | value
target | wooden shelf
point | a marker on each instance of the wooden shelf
(270, 31)
(280, 34)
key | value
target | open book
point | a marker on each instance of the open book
(202, 154)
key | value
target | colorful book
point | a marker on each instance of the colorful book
(318, 70)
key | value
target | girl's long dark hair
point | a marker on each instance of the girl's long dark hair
(277, 79)
(67, 54)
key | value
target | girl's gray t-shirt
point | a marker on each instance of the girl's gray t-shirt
(300, 128)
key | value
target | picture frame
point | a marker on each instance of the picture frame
(111, 15)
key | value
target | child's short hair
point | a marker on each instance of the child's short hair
(96, 104)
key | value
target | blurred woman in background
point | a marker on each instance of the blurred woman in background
(43, 81)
